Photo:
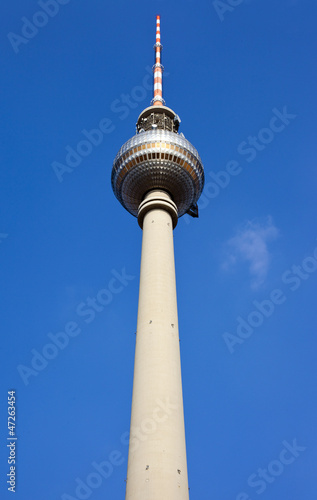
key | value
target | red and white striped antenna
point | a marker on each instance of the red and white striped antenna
(158, 68)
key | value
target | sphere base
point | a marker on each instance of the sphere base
(157, 199)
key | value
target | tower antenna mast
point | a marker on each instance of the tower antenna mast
(158, 68)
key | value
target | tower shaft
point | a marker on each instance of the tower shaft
(157, 467)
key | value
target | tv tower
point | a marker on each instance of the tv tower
(157, 176)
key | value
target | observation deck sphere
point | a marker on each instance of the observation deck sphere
(157, 159)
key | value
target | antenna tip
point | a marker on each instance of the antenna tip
(158, 17)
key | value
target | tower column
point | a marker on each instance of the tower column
(157, 468)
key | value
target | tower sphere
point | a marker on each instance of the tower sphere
(157, 157)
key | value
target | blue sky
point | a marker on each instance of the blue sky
(242, 77)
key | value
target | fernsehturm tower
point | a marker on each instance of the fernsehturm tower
(157, 176)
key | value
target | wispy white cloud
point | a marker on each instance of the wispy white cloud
(250, 244)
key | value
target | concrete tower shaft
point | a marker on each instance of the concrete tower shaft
(157, 467)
